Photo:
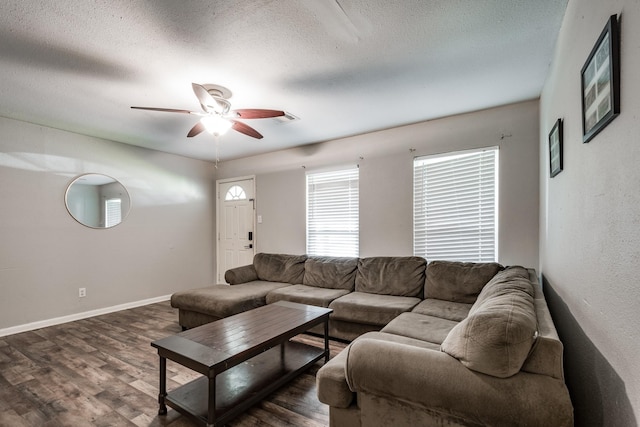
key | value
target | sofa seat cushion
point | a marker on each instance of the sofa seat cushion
(421, 327)
(458, 281)
(399, 339)
(399, 276)
(304, 294)
(501, 328)
(331, 381)
(372, 309)
(349, 331)
(330, 272)
(225, 300)
(444, 309)
(280, 267)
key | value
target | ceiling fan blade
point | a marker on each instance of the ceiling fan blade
(207, 102)
(256, 113)
(196, 130)
(166, 110)
(247, 130)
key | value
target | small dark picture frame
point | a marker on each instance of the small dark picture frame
(600, 78)
(555, 149)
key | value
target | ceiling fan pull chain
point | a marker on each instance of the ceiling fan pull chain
(217, 151)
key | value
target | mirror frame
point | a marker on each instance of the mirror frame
(124, 193)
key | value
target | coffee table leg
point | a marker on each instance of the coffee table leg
(163, 386)
(211, 414)
(326, 340)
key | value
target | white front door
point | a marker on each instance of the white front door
(236, 236)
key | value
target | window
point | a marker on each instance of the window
(113, 212)
(235, 193)
(332, 213)
(455, 206)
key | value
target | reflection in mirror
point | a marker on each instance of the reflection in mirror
(97, 201)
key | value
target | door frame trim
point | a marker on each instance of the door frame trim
(220, 280)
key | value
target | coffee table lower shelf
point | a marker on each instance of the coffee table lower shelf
(244, 385)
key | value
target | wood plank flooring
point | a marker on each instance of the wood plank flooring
(102, 371)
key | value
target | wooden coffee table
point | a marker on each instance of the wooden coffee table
(242, 358)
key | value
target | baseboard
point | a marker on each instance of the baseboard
(78, 316)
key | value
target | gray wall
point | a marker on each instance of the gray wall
(84, 202)
(386, 181)
(283, 216)
(590, 223)
(164, 245)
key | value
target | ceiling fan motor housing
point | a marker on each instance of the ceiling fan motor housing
(221, 95)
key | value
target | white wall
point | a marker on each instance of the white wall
(165, 244)
(386, 181)
(590, 223)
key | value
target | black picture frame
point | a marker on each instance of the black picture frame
(555, 149)
(600, 80)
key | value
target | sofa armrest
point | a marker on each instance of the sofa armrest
(243, 274)
(331, 385)
(437, 382)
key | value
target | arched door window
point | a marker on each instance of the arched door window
(235, 193)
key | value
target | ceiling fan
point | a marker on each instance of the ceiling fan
(217, 116)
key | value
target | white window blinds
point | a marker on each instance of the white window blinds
(332, 213)
(113, 212)
(455, 206)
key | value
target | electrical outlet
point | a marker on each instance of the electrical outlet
(82, 292)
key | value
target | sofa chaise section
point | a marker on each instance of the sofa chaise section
(248, 289)
(203, 305)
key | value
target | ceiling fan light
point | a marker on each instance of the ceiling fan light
(216, 125)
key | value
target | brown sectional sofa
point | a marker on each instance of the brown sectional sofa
(455, 344)
(364, 293)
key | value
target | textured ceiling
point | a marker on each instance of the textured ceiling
(343, 67)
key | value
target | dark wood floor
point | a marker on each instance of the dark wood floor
(102, 371)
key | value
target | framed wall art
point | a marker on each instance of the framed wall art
(600, 77)
(555, 149)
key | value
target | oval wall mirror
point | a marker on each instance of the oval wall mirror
(97, 201)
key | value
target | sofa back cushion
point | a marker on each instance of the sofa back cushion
(330, 272)
(280, 267)
(458, 281)
(400, 276)
(501, 328)
(505, 282)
